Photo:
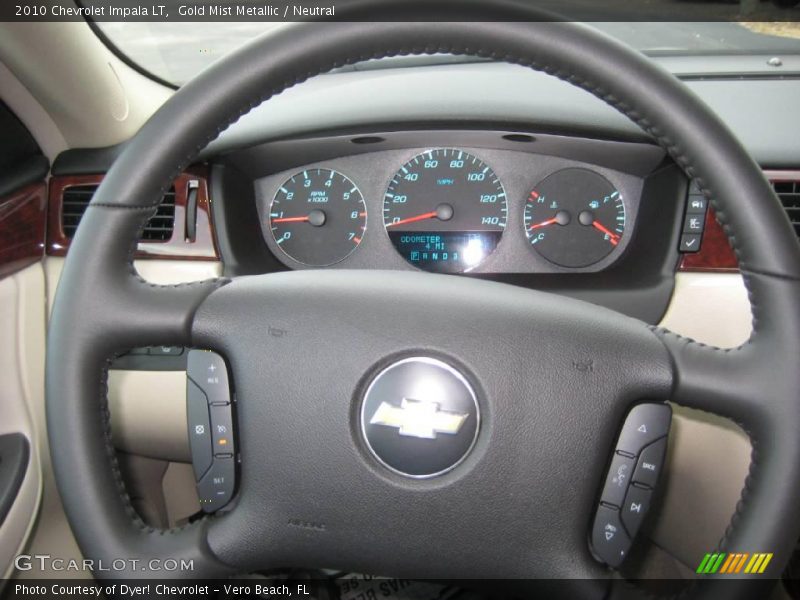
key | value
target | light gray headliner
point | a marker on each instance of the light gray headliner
(762, 112)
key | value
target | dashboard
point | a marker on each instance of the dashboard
(597, 218)
(449, 210)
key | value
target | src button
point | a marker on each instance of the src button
(650, 462)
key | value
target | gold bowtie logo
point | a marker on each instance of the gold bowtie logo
(417, 418)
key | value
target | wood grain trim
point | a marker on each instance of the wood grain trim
(22, 228)
(716, 254)
(177, 247)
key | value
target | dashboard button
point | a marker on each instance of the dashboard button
(207, 369)
(216, 488)
(645, 424)
(222, 429)
(693, 223)
(617, 480)
(696, 204)
(650, 463)
(609, 539)
(199, 429)
(637, 503)
(690, 242)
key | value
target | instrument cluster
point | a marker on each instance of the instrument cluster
(449, 210)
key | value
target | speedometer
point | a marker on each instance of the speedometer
(445, 211)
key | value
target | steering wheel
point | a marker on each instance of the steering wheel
(520, 505)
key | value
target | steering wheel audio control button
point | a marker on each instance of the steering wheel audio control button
(619, 476)
(215, 489)
(645, 424)
(650, 463)
(637, 503)
(609, 538)
(628, 489)
(199, 429)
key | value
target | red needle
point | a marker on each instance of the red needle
(612, 237)
(290, 219)
(422, 217)
(544, 223)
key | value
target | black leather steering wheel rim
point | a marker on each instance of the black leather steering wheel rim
(103, 307)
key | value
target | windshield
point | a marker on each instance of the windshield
(176, 52)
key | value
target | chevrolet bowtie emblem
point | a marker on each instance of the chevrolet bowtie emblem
(416, 418)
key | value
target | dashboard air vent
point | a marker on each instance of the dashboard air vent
(789, 193)
(77, 197)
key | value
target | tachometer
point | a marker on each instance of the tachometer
(574, 218)
(445, 211)
(318, 217)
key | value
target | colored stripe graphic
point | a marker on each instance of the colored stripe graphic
(734, 563)
(711, 563)
(728, 563)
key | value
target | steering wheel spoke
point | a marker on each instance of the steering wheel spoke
(717, 380)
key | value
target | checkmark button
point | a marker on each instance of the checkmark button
(690, 242)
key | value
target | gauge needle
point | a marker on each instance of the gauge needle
(544, 223)
(612, 237)
(291, 219)
(428, 215)
(316, 218)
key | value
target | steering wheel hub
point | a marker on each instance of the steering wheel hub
(420, 417)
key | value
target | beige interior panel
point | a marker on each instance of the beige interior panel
(167, 272)
(164, 272)
(72, 74)
(52, 534)
(22, 327)
(180, 494)
(148, 413)
(712, 308)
